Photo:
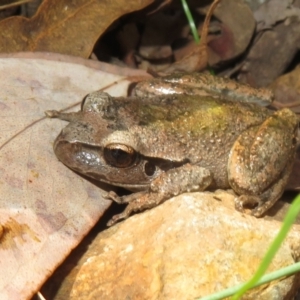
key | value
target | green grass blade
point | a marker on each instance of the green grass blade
(287, 271)
(191, 21)
(257, 279)
(287, 224)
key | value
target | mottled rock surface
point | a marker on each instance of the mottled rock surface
(190, 246)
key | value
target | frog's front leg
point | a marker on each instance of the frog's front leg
(176, 181)
(261, 161)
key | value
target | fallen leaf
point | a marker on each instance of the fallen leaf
(46, 209)
(273, 49)
(236, 31)
(197, 59)
(286, 89)
(274, 11)
(64, 26)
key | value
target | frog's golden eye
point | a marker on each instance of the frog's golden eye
(119, 155)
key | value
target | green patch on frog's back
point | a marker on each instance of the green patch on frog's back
(195, 113)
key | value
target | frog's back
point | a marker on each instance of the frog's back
(197, 129)
(193, 123)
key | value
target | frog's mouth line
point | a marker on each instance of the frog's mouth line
(159, 165)
(97, 179)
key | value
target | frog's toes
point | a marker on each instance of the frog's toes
(115, 219)
(122, 216)
(124, 199)
(253, 203)
(113, 196)
(261, 208)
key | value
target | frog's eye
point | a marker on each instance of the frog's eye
(119, 155)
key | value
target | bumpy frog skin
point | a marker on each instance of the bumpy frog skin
(165, 145)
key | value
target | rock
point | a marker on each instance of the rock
(188, 247)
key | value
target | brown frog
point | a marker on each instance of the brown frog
(165, 145)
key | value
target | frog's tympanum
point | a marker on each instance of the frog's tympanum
(166, 145)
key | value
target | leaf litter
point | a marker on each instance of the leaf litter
(67, 27)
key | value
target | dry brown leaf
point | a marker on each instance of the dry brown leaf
(272, 12)
(274, 49)
(46, 209)
(286, 89)
(236, 31)
(197, 60)
(9, 4)
(64, 26)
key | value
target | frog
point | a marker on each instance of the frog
(162, 144)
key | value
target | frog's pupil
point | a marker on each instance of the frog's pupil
(119, 158)
(119, 155)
